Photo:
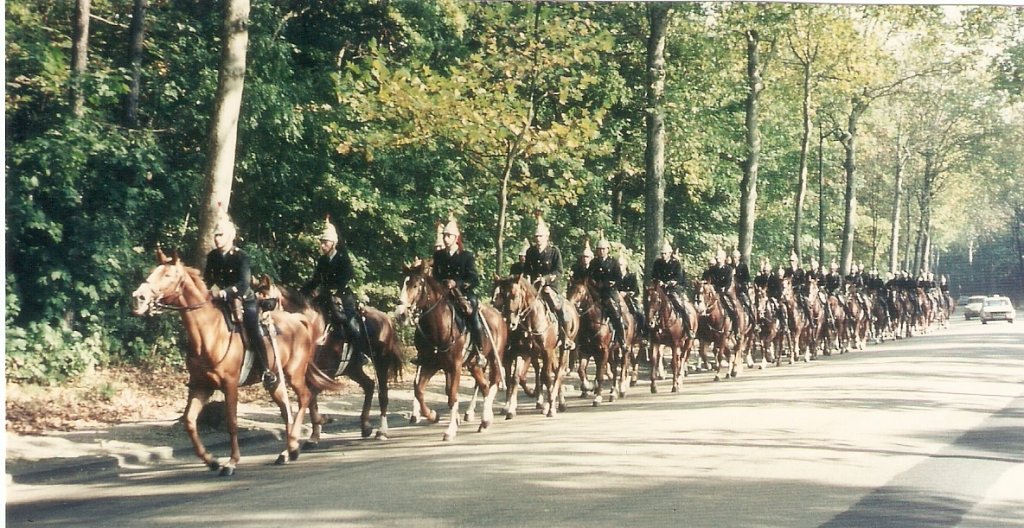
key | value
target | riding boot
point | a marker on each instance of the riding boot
(251, 333)
(616, 320)
(360, 344)
(563, 330)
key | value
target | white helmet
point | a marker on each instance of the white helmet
(542, 227)
(526, 246)
(329, 233)
(452, 228)
(587, 252)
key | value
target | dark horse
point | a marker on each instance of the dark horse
(533, 335)
(667, 327)
(441, 344)
(215, 356)
(595, 340)
(331, 352)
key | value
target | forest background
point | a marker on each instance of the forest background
(887, 135)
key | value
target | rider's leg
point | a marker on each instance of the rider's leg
(251, 324)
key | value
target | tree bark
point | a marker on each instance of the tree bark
(220, 164)
(821, 196)
(79, 55)
(654, 157)
(894, 234)
(850, 164)
(136, 38)
(805, 144)
(748, 185)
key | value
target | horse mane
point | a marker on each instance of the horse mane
(294, 297)
(197, 278)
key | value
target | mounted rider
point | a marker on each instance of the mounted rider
(605, 273)
(455, 269)
(857, 280)
(519, 267)
(334, 297)
(741, 278)
(630, 288)
(798, 282)
(668, 270)
(775, 291)
(722, 279)
(229, 269)
(834, 286)
(543, 267)
(578, 271)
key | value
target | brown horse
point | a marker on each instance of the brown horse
(595, 341)
(837, 332)
(533, 335)
(814, 330)
(860, 317)
(667, 327)
(715, 326)
(441, 345)
(798, 323)
(771, 329)
(216, 356)
(332, 350)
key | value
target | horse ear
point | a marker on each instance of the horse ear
(160, 257)
(405, 269)
(175, 257)
(264, 282)
(497, 278)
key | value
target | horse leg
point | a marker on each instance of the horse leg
(451, 382)
(317, 420)
(470, 414)
(383, 399)
(426, 412)
(512, 388)
(581, 371)
(655, 361)
(197, 398)
(601, 363)
(489, 385)
(358, 375)
(230, 389)
(723, 357)
(677, 365)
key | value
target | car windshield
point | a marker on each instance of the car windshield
(973, 300)
(997, 302)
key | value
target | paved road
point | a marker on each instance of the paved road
(927, 432)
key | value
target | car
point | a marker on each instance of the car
(997, 308)
(973, 306)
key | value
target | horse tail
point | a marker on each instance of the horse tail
(390, 359)
(320, 380)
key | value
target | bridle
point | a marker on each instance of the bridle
(161, 301)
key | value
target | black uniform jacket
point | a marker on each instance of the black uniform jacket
(231, 272)
(546, 265)
(331, 275)
(605, 272)
(668, 271)
(459, 267)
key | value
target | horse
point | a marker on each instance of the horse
(837, 329)
(880, 318)
(798, 323)
(330, 353)
(215, 356)
(441, 345)
(533, 335)
(771, 329)
(715, 326)
(814, 330)
(667, 327)
(595, 341)
(860, 317)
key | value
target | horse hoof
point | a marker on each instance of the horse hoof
(597, 403)
(446, 438)
(484, 425)
(468, 417)
(509, 416)
(654, 389)
(281, 460)
(718, 378)
(675, 388)
(227, 471)
(309, 445)
(550, 413)
(293, 455)
(733, 374)
(413, 420)
(434, 417)
(213, 466)
(562, 407)
(381, 435)
(366, 432)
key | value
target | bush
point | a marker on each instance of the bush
(46, 354)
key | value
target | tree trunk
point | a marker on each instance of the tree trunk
(618, 183)
(850, 164)
(894, 233)
(748, 186)
(223, 125)
(79, 55)
(137, 36)
(506, 175)
(907, 253)
(821, 196)
(805, 145)
(654, 157)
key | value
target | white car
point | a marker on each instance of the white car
(973, 307)
(997, 308)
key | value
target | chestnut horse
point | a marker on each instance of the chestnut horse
(330, 355)
(667, 327)
(715, 326)
(595, 341)
(798, 323)
(771, 329)
(441, 345)
(533, 335)
(215, 356)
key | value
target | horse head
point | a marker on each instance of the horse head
(513, 297)
(707, 297)
(417, 290)
(164, 287)
(654, 298)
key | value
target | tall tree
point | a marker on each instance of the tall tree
(654, 224)
(79, 55)
(223, 134)
(748, 185)
(136, 40)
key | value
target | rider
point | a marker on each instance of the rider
(630, 288)
(543, 267)
(722, 279)
(775, 287)
(669, 271)
(798, 281)
(834, 286)
(741, 276)
(519, 266)
(229, 269)
(578, 271)
(455, 269)
(334, 298)
(605, 272)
